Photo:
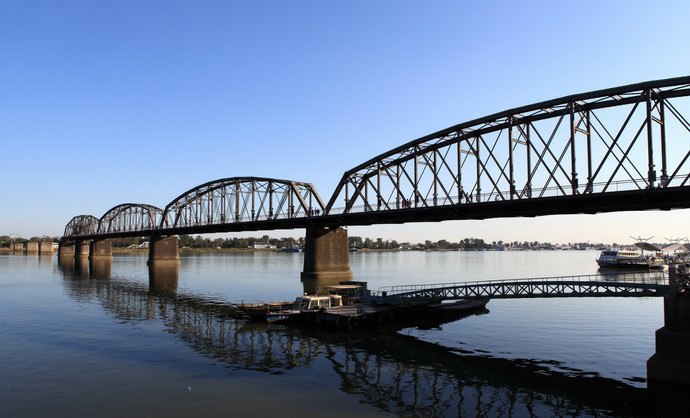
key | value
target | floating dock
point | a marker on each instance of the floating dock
(366, 315)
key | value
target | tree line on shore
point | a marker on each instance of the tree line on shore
(199, 242)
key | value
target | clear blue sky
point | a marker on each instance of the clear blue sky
(107, 102)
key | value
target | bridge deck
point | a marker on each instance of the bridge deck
(626, 284)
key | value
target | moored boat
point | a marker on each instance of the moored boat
(632, 258)
(260, 309)
(459, 307)
(303, 304)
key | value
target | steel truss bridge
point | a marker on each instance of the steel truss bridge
(626, 284)
(618, 149)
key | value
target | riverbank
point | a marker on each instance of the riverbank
(198, 250)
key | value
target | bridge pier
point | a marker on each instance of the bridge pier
(326, 255)
(81, 249)
(31, 248)
(668, 370)
(18, 247)
(100, 249)
(164, 250)
(66, 249)
(45, 247)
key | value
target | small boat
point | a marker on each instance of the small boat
(260, 309)
(459, 307)
(292, 250)
(303, 304)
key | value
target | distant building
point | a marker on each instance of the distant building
(144, 244)
(257, 245)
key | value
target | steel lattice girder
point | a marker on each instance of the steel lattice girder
(615, 138)
(241, 199)
(81, 225)
(129, 217)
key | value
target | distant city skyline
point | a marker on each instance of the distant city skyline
(111, 103)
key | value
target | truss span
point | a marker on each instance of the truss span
(633, 138)
(130, 217)
(81, 225)
(242, 199)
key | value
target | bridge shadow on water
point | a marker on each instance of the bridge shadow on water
(393, 372)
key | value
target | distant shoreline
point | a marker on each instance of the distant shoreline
(118, 250)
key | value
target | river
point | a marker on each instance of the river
(80, 340)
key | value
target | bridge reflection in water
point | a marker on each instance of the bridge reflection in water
(396, 373)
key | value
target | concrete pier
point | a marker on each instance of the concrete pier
(100, 249)
(326, 255)
(81, 249)
(45, 247)
(164, 250)
(18, 247)
(668, 370)
(66, 249)
(31, 247)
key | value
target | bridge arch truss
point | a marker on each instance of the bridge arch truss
(81, 225)
(242, 199)
(130, 217)
(628, 138)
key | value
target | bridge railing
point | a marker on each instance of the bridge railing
(241, 219)
(494, 196)
(642, 278)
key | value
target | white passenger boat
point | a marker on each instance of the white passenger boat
(632, 258)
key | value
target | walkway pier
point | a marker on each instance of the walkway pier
(626, 284)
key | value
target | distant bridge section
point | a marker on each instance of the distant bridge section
(225, 205)
(81, 225)
(130, 217)
(252, 202)
(623, 148)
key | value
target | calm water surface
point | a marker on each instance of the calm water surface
(108, 340)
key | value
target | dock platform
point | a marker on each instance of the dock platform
(365, 315)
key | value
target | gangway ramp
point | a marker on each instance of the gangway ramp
(594, 285)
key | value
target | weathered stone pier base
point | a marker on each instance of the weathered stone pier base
(31, 248)
(18, 246)
(164, 250)
(66, 249)
(326, 256)
(100, 249)
(81, 249)
(45, 247)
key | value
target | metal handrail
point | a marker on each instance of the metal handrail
(659, 278)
